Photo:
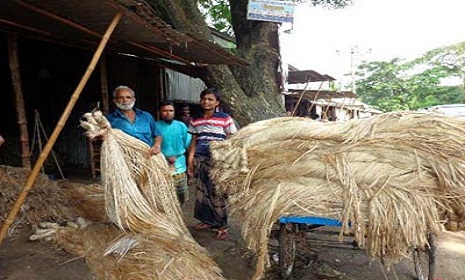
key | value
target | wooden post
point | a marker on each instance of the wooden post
(104, 84)
(309, 109)
(61, 123)
(19, 99)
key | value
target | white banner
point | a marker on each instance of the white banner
(275, 11)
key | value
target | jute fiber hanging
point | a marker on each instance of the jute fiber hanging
(148, 238)
(137, 188)
(389, 178)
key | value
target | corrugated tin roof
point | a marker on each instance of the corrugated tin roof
(350, 104)
(82, 23)
(321, 94)
(304, 76)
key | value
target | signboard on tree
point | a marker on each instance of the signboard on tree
(265, 10)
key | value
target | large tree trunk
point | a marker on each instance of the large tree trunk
(250, 93)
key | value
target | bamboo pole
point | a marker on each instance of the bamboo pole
(300, 99)
(309, 109)
(329, 105)
(40, 161)
(19, 99)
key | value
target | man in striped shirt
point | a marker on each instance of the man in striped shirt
(210, 206)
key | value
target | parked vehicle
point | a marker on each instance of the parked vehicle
(448, 109)
(424, 259)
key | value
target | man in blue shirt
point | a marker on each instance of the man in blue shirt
(135, 122)
(176, 140)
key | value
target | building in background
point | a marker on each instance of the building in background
(309, 94)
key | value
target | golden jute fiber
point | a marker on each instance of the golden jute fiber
(390, 178)
(148, 259)
(47, 200)
(138, 188)
(148, 238)
(86, 200)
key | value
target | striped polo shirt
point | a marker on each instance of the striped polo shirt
(216, 128)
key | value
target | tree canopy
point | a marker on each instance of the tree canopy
(250, 93)
(403, 85)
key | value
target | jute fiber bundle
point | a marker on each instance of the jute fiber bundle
(455, 216)
(46, 201)
(388, 178)
(86, 200)
(148, 259)
(138, 188)
(150, 240)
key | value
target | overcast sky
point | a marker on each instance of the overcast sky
(322, 39)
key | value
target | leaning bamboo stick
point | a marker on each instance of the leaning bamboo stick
(300, 99)
(61, 123)
(309, 109)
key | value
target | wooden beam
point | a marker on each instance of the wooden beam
(33, 29)
(104, 85)
(155, 50)
(60, 19)
(86, 30)
(137, 18)
(19, 99)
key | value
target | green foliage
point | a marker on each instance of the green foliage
(442, 95)
(452, 58)
(218, 12)
(399, 85)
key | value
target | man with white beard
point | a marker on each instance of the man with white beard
(135, 122)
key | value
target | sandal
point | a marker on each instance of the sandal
(201, 226)
(222, 234)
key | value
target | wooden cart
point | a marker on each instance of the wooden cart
(424, 258)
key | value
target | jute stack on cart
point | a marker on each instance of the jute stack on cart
(389, 178)
(148, 238)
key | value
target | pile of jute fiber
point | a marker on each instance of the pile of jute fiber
(46, 201)
(86, 200)
(147, 257)
(147, 237)
(389, 179)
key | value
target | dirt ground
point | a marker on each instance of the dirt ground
(22, 259)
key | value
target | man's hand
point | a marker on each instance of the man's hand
(171, 160)
(190, 171)
(155, 150)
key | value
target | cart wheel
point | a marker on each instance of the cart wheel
(425, 260)
(287, 249)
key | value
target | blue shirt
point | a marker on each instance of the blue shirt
(176, 140)
(144, 127)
